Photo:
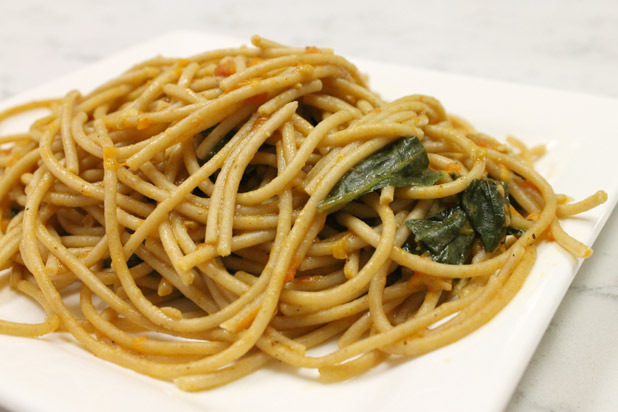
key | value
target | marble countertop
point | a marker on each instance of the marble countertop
(560, 44)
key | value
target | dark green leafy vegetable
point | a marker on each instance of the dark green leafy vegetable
(447, 236)
(514, 231)
(483, 208)
(204, 133)
(411, 246)
(134, 260)
(393, 277)
(224, 140)
(309, 113)
(252, 177)
(220, 144)
(486, 204)
(401, 163)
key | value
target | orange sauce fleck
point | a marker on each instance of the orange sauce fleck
(109, 158)
(417, 275)
(225, 69)
(421, 274)
(258, 98)
(478, 153)
(534, 216)
(376, 110)
(340, 248)
(305, 69)
(479, 141)
(311, 49)
(548, 234)
(138, 342)
(249, 82)
(253, 61)
(247, 320)
(289, 275)
(530, 185)
(144, 123)
(259, 122)
(505, 175)
(453, 167)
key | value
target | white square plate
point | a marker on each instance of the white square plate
(476, 373)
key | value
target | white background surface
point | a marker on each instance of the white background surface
(565, 45)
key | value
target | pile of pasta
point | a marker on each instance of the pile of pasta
(186, 203)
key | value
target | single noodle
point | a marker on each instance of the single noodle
(216, 212)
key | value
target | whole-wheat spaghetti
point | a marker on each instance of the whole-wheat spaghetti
(252, 203)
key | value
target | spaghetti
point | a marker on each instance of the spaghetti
(216, 212)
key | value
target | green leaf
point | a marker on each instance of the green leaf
(401, 163)
(205, 133)
(134, 260)
(447, 236)
(218, 146)
(440, 230)
(510, 230)
(485, 202)
(411, 246)
(483, 208)
(457, 251)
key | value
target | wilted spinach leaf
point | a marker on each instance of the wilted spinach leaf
(514, 231)
(134, 260)
(483, 208)
(220, 144)
(485, 202)
(447, 236)
(411, 246)
(204, 133)
(401, 163)
(309, 113)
